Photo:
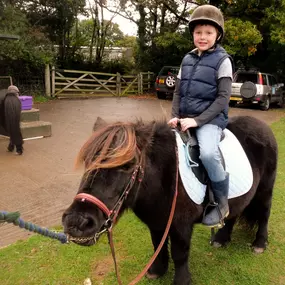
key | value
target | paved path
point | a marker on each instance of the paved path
(42, 183)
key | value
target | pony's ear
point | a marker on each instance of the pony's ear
(99, 123)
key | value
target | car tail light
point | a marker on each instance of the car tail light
(157, 80)
(260, 79)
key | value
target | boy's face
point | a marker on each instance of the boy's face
(204, 37)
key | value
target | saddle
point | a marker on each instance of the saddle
(192, 153)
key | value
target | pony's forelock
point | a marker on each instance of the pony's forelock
(108, 147)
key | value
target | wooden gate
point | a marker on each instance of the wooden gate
(70, 83)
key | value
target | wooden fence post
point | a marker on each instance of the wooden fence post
(47, 80)
(118, 84)
(141, 76)
(148, 80)
(138, 83)
(53, 81)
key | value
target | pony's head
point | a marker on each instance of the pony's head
(113, 159)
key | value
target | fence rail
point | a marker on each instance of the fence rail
(69, 83)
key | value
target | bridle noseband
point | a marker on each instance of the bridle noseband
(110, 214)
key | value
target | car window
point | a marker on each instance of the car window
(168, 70)
(264, 80)
(274, 81)
(243, 77)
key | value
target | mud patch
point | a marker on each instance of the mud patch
(101, 268)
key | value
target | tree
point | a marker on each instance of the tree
(33, 46)
(126, 41)
(56, 18)
(85, 29)
(153, 18)
(100, 29)
(241, 45)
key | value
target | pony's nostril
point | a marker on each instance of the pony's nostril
(90, 223)
(86, 223)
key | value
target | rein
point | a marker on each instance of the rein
(112, 216)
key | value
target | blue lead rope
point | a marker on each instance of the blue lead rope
(14, 218)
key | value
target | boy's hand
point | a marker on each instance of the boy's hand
(173, 122)
(187, 123)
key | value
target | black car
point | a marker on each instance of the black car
(165, 81)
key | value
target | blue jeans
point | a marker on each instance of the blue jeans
(209, 137)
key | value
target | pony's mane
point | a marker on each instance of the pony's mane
(108, 147)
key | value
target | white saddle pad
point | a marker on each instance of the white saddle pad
(236, 163)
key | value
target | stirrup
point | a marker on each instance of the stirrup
(221, 222)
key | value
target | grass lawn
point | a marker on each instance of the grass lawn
(40, 260)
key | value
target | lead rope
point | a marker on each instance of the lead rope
(14, 218)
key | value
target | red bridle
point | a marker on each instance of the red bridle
(89, 198)
(112, 214)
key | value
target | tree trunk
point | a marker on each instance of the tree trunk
(141, 33)
(163, 14)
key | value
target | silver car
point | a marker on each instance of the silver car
(257, 88)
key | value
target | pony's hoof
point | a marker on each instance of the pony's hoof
(151, 276)
(10, 148)
(258, 250)
(216, 244)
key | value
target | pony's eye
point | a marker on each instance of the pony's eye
(126, 167)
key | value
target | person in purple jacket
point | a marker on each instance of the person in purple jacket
(201, 100)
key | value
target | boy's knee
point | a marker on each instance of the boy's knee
(206, 156)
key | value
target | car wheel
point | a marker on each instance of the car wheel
(248, 90)
(161, 95)
(264, 106)
(170, 81)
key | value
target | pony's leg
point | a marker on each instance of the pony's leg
(180, 249)
(11, 146)
(160, 265)
(263, 211)
(19, 149)
(223, 236)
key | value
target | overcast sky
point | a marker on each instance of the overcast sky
(126, 26)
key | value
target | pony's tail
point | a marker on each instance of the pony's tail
(12, 110)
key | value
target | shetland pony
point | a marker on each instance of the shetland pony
(115, 153)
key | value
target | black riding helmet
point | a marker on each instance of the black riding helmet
(208, 14)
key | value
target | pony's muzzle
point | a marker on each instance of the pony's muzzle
(79, 225)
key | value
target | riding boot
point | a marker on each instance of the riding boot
(215, 218)
(10, 147)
